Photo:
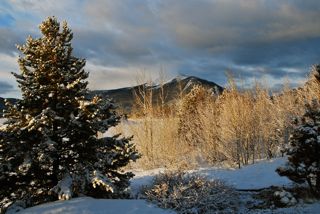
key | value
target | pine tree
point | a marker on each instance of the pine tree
(49, 147)
(304, 150)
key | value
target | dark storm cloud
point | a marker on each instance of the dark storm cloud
(5, 87)
(109, 49)
(251, 38)
(225, 23)
(290, 53)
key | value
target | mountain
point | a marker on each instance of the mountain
(124, 97)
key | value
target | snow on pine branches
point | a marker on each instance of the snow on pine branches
(304, 150)
(49, 147)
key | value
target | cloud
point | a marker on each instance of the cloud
(8, 85)
(8, 64)
(232, 23)
(104, 77)
(5, 87)
(8, 41)
(253, 38)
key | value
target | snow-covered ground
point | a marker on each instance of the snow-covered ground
(256, 176)
(87, 205)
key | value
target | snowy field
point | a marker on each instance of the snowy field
(255, 176)
(86, 205)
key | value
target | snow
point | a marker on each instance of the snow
(305, 208)
(126, 126)
(180, 77)
(25, 166)
(63, 188)
(187, 85)
(99, 179)
(87, 205)
(143, 178)
(2, 120)
(157, 83)
(255, 176)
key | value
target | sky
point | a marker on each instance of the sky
(120, 39)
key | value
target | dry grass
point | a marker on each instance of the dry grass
(157, 140)
(201, 128)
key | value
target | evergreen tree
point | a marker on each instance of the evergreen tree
(304, 150)
(49, 147)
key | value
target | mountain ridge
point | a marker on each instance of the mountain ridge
(124, 97)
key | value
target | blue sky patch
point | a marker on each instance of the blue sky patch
(6, 20)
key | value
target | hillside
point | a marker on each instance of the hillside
(124, 97)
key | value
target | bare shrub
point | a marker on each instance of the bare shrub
(237, 125)
(311, 89)
(191, 193)
(198, 124)
(254, 123)
(157, 140)
(155, 128)
(200, 128)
